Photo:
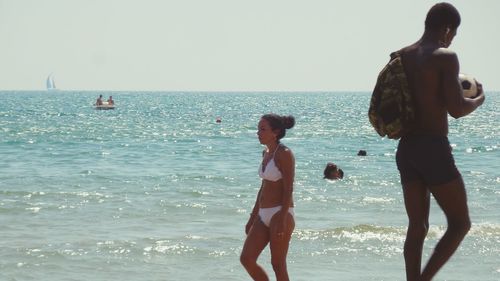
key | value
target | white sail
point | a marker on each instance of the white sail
(51, 85)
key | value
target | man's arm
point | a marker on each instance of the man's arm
(456, 104)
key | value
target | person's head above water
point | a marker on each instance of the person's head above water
(332, 172)
(272, 127)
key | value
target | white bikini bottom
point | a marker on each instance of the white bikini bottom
(266, 214)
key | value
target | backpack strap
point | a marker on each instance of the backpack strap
(395, 54)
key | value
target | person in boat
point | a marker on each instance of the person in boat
(272, 218)
(99, 100)
(111, 101)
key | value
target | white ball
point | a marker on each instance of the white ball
(469, 85)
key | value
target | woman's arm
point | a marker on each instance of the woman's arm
(286, 164)
(255, 212)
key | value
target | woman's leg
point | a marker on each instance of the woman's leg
(256, 241)
(279, 247)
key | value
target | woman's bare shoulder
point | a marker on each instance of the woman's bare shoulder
(284, 153)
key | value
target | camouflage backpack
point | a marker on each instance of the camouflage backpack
(392, 110)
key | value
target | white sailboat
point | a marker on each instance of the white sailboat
(51, 85)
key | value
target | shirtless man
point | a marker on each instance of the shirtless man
(424, 157)
(99, 100)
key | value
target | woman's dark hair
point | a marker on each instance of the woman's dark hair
(330, 167)
(442, 15)
(278, 122)
(341, 174)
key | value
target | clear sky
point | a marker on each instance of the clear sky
(227, 45)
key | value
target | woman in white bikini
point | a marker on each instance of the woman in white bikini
(272, 218)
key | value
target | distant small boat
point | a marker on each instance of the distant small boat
(51, 85)
(105, 106)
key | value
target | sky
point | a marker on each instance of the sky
(227, 45)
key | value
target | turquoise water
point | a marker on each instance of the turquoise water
(157, 190)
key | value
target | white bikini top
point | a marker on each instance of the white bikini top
(270, 172)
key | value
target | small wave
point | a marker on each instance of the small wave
(194, 237)
(169, 247)
(358, 233)
(482, 230)
(34, 209)
(377, 200)
(485, 229)
(364, 232)
(220, 253)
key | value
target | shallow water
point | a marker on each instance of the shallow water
(157, 190)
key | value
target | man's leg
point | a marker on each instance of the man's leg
(417, 202)
(452, 199)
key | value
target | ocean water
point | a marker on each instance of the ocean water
(157, 190)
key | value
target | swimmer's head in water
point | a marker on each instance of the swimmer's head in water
(332, 172)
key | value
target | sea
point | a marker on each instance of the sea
(157, 189)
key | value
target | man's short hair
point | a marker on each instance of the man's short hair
(442, 15)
